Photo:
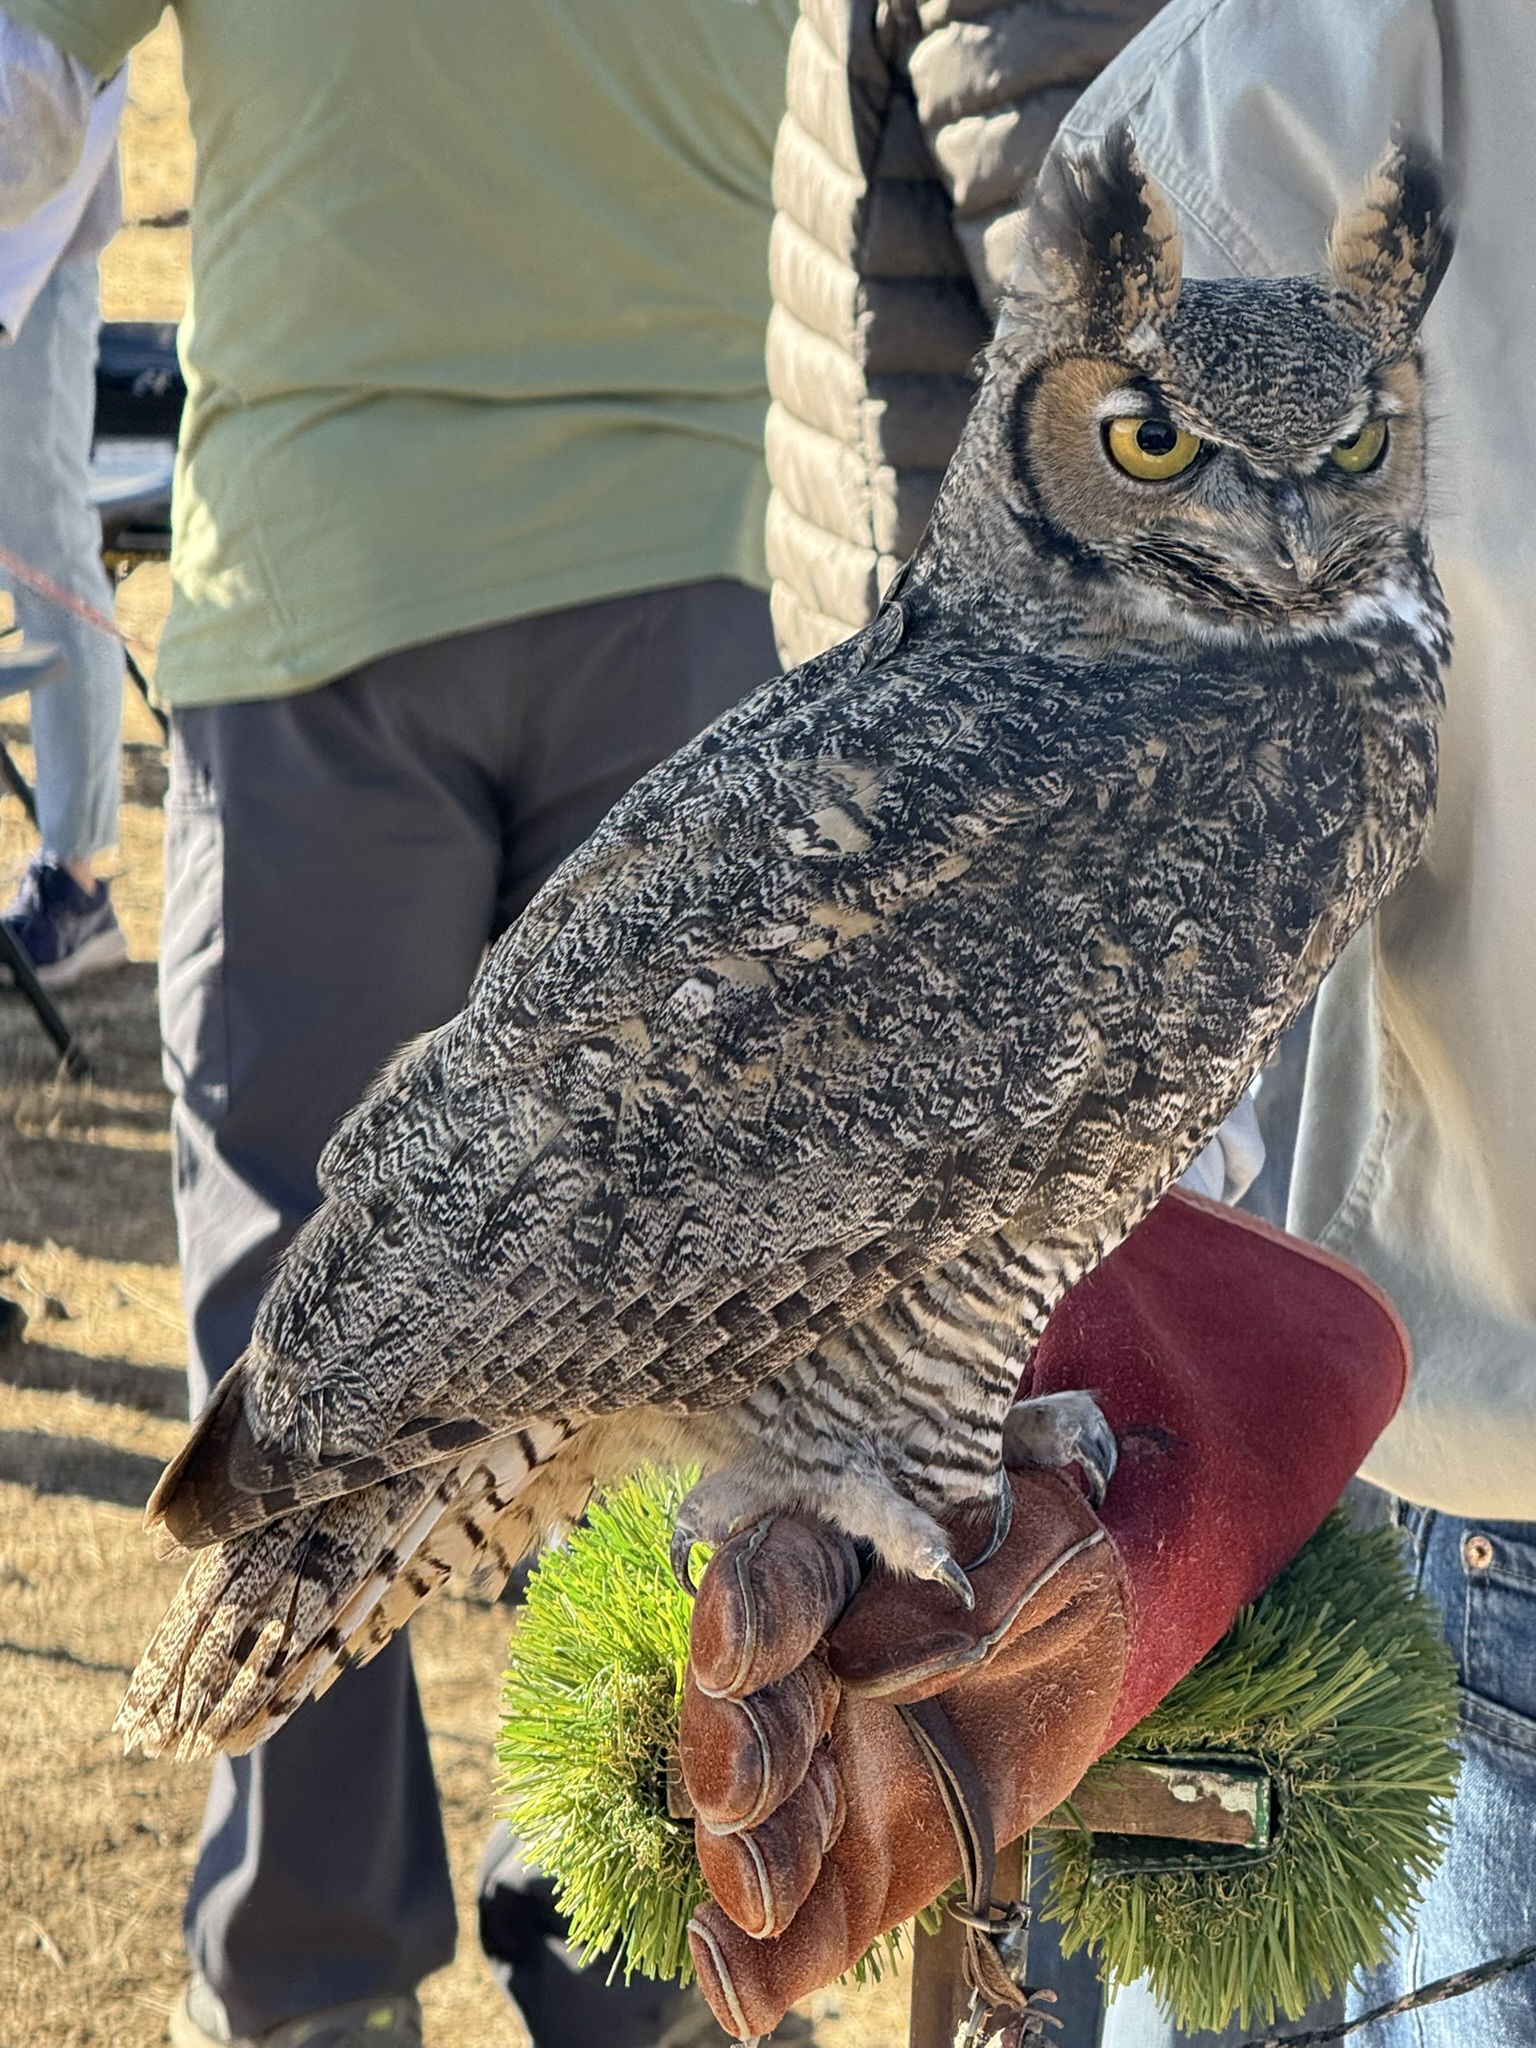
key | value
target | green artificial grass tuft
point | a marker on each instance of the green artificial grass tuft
(590, 1703)
(1337, 1680)
(590, 1706)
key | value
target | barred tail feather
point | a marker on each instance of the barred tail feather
(490, 1524)
(265, 1619)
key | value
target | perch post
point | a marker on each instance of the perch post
(1193, 1802)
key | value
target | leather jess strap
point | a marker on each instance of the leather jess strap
(1000, 2004)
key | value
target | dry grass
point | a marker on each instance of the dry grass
(144, 273)
(95, 1848)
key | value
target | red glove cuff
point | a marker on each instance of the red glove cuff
(1245, 1375)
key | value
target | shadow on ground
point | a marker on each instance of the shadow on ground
(113, 1016)
(77, 1465)
(153, 1389)
(96, 1199)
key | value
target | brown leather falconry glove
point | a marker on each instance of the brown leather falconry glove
(851, 1749)
(822, 1785)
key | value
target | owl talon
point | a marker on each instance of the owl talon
(680, 1555)
(1096, 1455)
(945, 1572)
(1098, 1475)
(1062, 1429)
(1002, 1522)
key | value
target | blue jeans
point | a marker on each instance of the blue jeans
(1482, 1901)
(47, 409)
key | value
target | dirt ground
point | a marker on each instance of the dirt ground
(95, 1847)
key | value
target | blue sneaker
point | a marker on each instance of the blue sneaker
(66, 932)
(200, 2021)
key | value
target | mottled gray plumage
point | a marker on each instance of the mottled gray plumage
(868, 1022)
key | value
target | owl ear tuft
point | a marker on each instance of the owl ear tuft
(1100, 265)
(1388, 251)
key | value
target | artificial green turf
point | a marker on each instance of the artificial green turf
(1336, 1680)
(590, 1706)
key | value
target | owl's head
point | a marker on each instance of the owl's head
(1213, 458)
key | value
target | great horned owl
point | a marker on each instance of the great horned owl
(866, 1024)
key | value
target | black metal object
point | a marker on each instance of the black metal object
(139, 387)
(20, 667)
(142, 683)
(17, 783)
(14, 955)
(140, 393)
(136, 533)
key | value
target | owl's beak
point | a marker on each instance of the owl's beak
(1295, 535)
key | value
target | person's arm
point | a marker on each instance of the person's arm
(874, 328)
(41, 236)
(46, 97)
(1258, 121)
(907, 150)
(991, 90)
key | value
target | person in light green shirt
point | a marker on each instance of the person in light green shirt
(467, 534)
(477, 312)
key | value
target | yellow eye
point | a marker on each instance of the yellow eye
(1361, 451)
(1150, 450)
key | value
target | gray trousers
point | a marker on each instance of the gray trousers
(336, 863)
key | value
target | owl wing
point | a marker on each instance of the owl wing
(811, 1011)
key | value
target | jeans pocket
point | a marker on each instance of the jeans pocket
(1498, 1564)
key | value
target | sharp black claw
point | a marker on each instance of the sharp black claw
(1098, 1454)
(948, 1573)
(1002, 1522)
(680, 1557)
(1098, 1479)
